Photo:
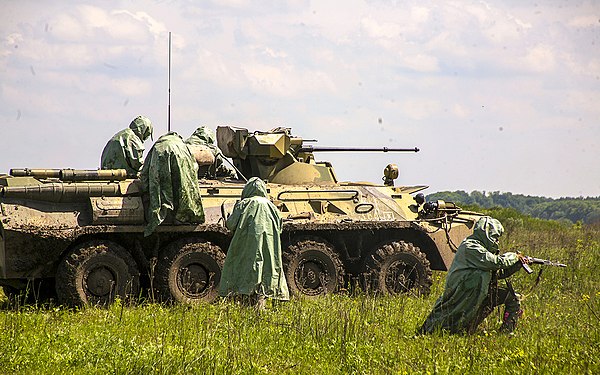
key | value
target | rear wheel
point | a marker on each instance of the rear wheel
(312, 268)
(189, 271)
(398, 267)
(96, 273)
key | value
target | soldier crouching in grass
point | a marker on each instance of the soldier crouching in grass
(471, 291)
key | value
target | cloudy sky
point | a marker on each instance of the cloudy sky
(498, 95)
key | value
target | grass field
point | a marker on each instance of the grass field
(558, 334)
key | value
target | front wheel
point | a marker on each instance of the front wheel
(189, 271)
(96, 273)
(398, 267)
(313, 268)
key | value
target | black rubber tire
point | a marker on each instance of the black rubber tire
(398, 268)
(312, 268)
(95, 273)
(189, 271)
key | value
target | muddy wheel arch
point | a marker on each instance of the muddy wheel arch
(96, 272)
(312, 267)
(189, 270)
(398, 267)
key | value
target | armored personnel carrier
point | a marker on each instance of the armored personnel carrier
(80, 232)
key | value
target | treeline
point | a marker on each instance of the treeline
(585, 210)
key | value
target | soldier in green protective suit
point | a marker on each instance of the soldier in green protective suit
(471, 291)
(204, 136)
(253, 266)
(125, 150)
(169, 176)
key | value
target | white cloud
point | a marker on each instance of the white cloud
(12, 40)
(134, 22)
(591, 20)
(66, 27)
(582, 67)
(446, 43)
(274, 54)
(379, 30)
(10, 43)
(420, 14)
(213, 68)
(338, 22)
(460, 111)
(541, 58)
(268, 78)
(92, 17)
(458, 33)
(285, 80)
(87, 23)
(584, 103)
(420, 108)
(387, 24)
(84, 37)
(421, 63)
(129, 87)
(500, 25)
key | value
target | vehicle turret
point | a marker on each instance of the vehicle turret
(278, 157)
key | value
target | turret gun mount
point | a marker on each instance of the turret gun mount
(279, 157)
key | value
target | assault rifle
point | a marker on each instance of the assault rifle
(545, 262)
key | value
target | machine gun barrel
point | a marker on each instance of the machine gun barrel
(353, 149)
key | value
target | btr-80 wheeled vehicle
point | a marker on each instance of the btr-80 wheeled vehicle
(80, 232)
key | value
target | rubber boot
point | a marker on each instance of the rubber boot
(509, 323)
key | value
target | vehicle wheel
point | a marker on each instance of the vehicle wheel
(312, 268)
(398, 267)
(95, 273)
(189, 271)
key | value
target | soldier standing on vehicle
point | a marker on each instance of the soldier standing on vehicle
(471, 291)
(125, 150)
(253, 267)
(169, 176)
(204, 136)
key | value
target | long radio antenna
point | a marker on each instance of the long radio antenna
(169, 105)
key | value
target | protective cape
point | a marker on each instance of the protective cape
(253, 263)
(468, 280)
(206, 137)
(170, 178)
(125, 150)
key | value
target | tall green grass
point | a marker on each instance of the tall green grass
(559, 332)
